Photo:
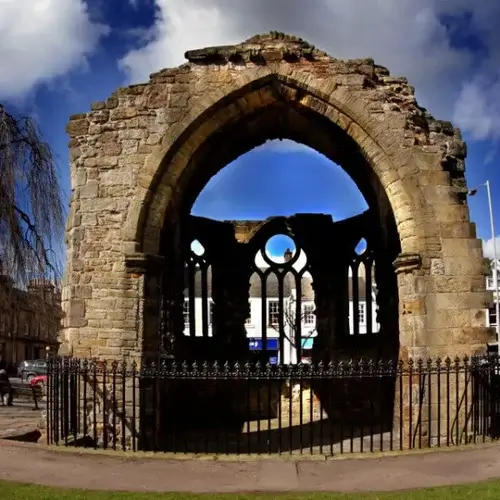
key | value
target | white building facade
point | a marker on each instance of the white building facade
(285, 320)
(491, 315)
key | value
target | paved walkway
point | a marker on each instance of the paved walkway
(34, 464)
(18, 419)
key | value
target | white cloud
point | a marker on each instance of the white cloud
(179, 26)
(408, 37)
(488, 248)
(477, 110)
(42, 40)
(490, 155)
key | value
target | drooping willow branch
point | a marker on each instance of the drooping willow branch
(31, 209)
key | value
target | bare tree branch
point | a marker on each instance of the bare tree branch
(290, 319)
(31, 210)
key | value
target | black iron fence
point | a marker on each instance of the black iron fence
(232, 408)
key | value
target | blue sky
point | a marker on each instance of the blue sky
(67, 53)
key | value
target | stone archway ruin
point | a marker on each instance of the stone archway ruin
(141, 157)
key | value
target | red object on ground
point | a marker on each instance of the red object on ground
(40, 379)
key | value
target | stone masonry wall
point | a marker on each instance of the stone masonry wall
(130, 152)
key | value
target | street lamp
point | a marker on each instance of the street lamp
(472, 192)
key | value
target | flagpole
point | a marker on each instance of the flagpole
(495, 257)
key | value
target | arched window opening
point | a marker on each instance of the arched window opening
(281, 247)
(282, 297)
(197, 308)
(363, 292)
(238, 229)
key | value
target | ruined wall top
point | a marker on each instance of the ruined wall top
(259, 48)
(172, 91)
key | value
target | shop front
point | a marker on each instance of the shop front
(272, 348)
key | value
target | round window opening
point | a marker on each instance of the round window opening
(280, 248)
(197, 248)
(361, 247)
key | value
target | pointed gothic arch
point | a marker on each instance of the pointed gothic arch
(140, 158)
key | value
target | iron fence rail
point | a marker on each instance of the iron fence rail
(251, 408)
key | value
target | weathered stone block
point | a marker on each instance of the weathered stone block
(462, 266)
(122, 113)
(77, 127)
(97, 105)
(112, 149)
(89, 190)
(100, 116)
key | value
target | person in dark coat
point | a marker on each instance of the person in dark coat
(5, 388)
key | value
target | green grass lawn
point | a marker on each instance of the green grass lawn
(480, 491)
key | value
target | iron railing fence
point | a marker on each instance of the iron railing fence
(250, 408)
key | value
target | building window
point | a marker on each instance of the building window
(185, 311)
(492, 316)
(362, 313)
(273, 312)
(490, 283)
(26, 329)
(309, 316)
